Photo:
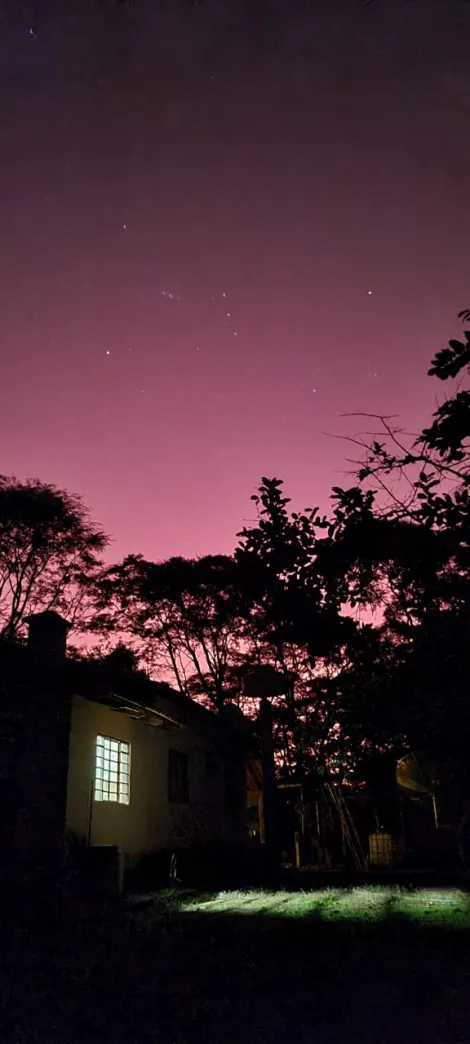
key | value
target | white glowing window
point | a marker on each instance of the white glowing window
(112, 770)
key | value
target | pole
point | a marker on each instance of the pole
(317, 816)
(90, 813)
(297, 850)
(269, 792)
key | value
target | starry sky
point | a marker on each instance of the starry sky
(223, 226)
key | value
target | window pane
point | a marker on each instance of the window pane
(112, 770)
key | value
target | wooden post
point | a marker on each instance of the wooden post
(269, 792)
(297, 850)
(90, 813)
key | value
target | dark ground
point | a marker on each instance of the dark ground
(156, 974)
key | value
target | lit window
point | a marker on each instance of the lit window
(112, 770)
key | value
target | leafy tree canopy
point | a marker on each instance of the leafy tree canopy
(49, 553)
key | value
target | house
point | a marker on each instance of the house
(106, 757)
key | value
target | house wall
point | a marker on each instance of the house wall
(151, 821)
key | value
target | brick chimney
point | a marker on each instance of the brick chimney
(47, 638)
(41, 799)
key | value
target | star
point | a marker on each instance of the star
(107, 352)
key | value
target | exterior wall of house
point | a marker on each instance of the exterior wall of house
(150, 821)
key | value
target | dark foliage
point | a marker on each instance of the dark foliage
(49, 553)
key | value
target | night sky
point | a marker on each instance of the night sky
(223, 226)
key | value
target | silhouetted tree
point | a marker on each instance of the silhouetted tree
(122, 659)
(295, 624)
(203, 623)
(400, 541)
(49, 553)
(183, 616)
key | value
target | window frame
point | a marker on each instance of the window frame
(123, 780)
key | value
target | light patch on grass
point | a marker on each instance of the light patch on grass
(359, 904)
(448, 908)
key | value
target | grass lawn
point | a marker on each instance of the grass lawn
(445, 908)
(343, 965)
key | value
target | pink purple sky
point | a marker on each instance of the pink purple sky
(222, 227)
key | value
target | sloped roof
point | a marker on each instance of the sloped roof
(134, 691)
(131, 692)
